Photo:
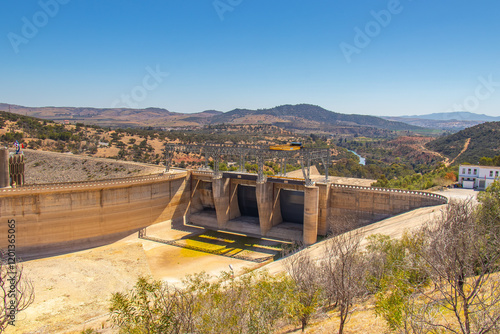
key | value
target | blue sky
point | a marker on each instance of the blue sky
(364, 57)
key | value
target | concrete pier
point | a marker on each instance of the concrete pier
(268, 204)
(276, 217)
(311, 208)
(264, 192)
(220, 188)
(324, 207)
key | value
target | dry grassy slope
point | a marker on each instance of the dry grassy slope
(482, 141)
(106, 116)
(414, 148)
(91, 137)
(50, 167)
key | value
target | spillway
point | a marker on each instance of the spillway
(247, 201)
(292, 206)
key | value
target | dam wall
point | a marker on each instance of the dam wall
(326, 207)
(59, 218)
(366, 205)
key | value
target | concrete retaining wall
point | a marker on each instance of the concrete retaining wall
(57, 219)
(367, 205)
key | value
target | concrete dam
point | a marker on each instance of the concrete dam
(59, 218)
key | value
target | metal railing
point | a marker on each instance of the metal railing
(387, 190)
(93, 184)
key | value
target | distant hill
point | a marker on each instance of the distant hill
(447, 125)
(451, 121)
(457, 115)
(122, 117)
(484, 142)
(293, 117)
(202, 117)
(306, 116)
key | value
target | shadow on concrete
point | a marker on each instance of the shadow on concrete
(225, 244)
(236, 243)
(63, 248)
(180, 226)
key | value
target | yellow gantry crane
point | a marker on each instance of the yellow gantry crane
(293, 146)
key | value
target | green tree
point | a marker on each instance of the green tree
(253, 303)
(394, 274)
(152, 307)
(382, 182)
(344, 273)
(306, 290)
(489, 208)
(460, 255)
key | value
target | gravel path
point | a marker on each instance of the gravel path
(50, 167)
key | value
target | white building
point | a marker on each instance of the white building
(477, 177)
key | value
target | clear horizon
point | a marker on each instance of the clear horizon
(381, 58)
(224, 111)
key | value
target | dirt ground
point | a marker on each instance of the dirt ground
(51, 167)
(73, 290)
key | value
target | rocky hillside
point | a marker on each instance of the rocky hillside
(122, 117)
(484, 141)
(50, 167)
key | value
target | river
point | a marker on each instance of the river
(362, 161)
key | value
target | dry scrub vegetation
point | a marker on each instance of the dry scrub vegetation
(440, 278)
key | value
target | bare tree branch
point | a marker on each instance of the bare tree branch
(460, 256)
(16, 290)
